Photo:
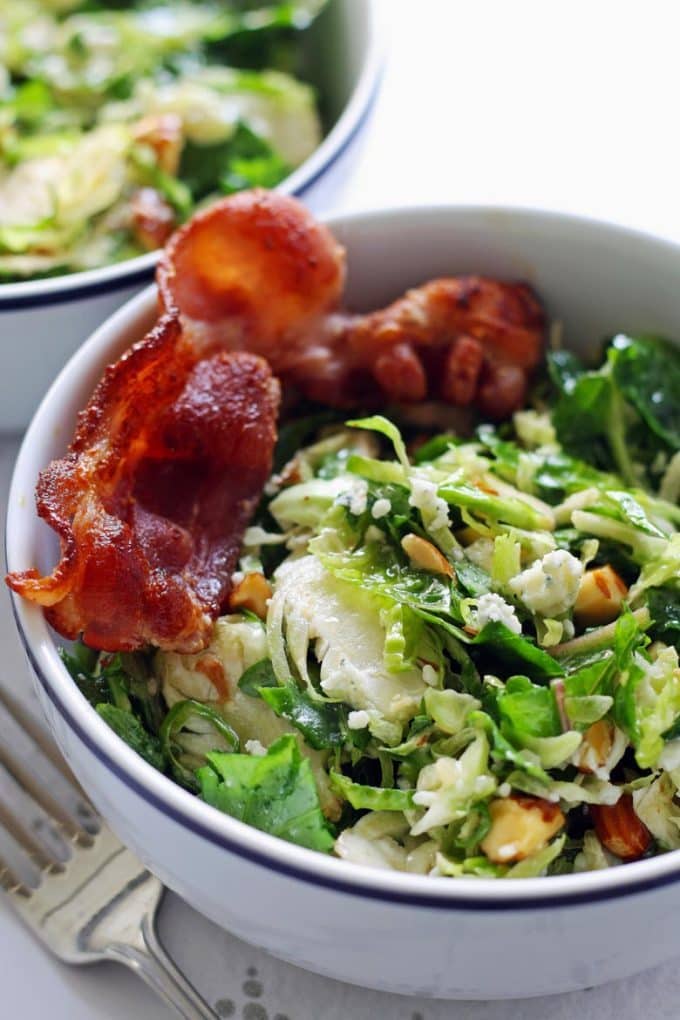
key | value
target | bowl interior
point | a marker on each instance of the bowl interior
(595, 278)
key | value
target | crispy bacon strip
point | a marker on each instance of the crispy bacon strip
(257, 272)
(151, 501)
(253, 272)
(172, 452)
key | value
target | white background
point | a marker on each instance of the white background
(570, 106)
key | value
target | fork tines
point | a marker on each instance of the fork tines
(42, 813)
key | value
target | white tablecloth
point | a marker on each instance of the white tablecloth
(559, 105)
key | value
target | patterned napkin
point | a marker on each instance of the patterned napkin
(244, 983)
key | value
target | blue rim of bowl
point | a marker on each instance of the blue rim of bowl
(545, 893)
(140, 270)
(545, 900)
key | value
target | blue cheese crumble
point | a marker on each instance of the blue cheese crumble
(494, 608)
(358, 496)
(550, 585)
(434, 510)
(381, 508)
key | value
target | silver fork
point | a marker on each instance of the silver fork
(84, 895)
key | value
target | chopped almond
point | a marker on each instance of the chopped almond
(252, 593)
(596, 746)
(163, 133)
(425, 556)
(153, 219)
(466, 536)
(620, 830)
(520, 827)
(291, 473)
(600, 597)
(485, 487)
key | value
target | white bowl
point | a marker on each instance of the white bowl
(410, 934)
(44, 321)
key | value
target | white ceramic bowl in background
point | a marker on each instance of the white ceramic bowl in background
(42, 322)
(412, 934)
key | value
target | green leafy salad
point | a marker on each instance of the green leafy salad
(453, 656)
(117, 120)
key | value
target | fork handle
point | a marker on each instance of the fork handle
(146, 957)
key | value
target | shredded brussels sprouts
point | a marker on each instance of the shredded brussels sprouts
(115, 124)
(469, 663)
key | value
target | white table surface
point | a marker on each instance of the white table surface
(560, 105)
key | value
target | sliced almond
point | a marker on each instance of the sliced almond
(620, 830)
(252, 593)
(425, 556)
(520, 827)
(600, 597)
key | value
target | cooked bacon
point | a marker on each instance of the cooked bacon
(477, 339)
(253, 272)
(173, 450)
(151, 501)
(257, 272)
